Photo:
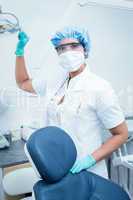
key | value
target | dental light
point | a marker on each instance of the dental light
(8, 22)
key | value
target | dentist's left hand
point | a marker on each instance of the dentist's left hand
(82, 164)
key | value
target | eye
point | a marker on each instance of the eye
(74, 46)
(60, 48)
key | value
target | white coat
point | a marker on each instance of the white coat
(89, 105)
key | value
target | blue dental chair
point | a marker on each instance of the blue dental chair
(53, 153)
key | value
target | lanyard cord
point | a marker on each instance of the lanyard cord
(67, 79)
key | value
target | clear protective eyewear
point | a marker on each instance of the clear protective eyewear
(68, 46)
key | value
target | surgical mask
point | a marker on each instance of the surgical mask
(71, 60)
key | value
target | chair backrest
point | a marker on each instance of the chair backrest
(52, 151)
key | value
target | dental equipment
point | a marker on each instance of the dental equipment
(8, 22)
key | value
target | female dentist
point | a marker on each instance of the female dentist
(83, 106)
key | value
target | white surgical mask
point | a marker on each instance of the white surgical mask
(71, 60)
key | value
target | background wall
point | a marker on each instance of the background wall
(110, 31)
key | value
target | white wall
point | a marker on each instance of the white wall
(111, 33)
(111, 54)
(38, 20)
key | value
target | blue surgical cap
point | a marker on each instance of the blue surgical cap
(73, 32)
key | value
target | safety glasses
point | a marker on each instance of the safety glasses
(69, 46)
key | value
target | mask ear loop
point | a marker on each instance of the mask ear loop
(85, 53)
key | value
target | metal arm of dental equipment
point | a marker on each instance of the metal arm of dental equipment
(121, 157)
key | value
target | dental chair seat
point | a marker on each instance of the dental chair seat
(83, 186)
(53, 153)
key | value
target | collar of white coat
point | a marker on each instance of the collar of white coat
(77, 81)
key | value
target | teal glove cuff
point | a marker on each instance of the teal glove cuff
(82, 164)
(19, 52)
(91, 160)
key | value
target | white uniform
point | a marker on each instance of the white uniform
(89, 105)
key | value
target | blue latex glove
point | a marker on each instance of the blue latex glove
(82, 164)
(23, 39)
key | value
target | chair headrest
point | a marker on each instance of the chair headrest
(52, 151)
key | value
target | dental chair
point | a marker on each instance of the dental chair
(52, 154)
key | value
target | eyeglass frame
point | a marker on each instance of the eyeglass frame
(72, 44)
